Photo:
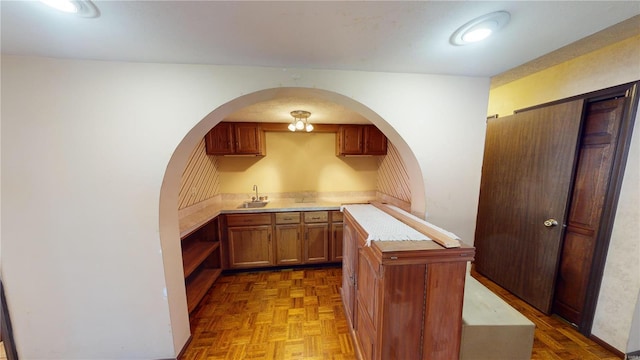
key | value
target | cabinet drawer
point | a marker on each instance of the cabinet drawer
(288, 218)
(337, 216)
(248, 219)
(316, 216)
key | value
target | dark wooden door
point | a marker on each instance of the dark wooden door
(597, 147)
(526, 179)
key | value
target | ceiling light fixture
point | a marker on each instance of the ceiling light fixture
(82, 8)
(480, 28)
(300, 121)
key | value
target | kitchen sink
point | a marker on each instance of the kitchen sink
(253, 204)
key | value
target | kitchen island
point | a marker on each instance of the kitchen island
(402, 292)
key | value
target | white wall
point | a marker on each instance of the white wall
(89, 242)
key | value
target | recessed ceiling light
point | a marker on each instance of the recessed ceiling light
(480, 28)
(82, 8)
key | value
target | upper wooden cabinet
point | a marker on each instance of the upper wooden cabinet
(235, 139)
(360, 140)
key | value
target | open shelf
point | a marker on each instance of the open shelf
(197, 252)
(199, 285)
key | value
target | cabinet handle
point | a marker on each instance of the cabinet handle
(288, 218)
(315, 218)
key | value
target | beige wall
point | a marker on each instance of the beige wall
(614, 65)
(297, 162)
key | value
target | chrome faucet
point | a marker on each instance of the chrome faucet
(255, 188)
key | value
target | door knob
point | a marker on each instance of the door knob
(551, 222)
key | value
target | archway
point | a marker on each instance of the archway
(168, 212)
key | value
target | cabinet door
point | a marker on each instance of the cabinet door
(375, 143)
(348, 268)
(288, 245)
(317, 243)
(367, 294)
(350, 140)
(250, 246)
(219, 140)
(248, 138)
(366, 337)
(336, 242)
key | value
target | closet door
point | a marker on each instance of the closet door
(527, 175)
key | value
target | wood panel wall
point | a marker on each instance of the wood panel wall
(393, 179)
(200, 179)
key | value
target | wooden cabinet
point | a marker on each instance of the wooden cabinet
(335, 236)
(375, 143)
(349, 263)
(360, 140)
(249, 240)
(201, 261)
(405, 301)
(316, 229)
(235, 139)
(256, 240)
(288, 244)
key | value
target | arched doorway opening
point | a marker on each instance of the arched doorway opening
(168, 212)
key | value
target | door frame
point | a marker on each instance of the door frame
(603, 238)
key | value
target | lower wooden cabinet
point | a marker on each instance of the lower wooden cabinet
(316, 243)
(250, 246)
(249, 240)
(288, 245)
(279, 239)
(335, 237)
(316, 238)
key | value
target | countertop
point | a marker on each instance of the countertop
(192, 221)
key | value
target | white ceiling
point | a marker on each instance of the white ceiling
(388, 36)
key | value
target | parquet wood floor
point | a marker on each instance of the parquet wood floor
(554, 338)
(298, 314)
(287, 314)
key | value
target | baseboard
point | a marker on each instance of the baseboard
(605, 345)
(6, 329)
(186, 344)
(633, 355)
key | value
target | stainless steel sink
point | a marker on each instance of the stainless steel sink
(253, 204)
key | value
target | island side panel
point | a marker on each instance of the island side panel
(443, 310)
